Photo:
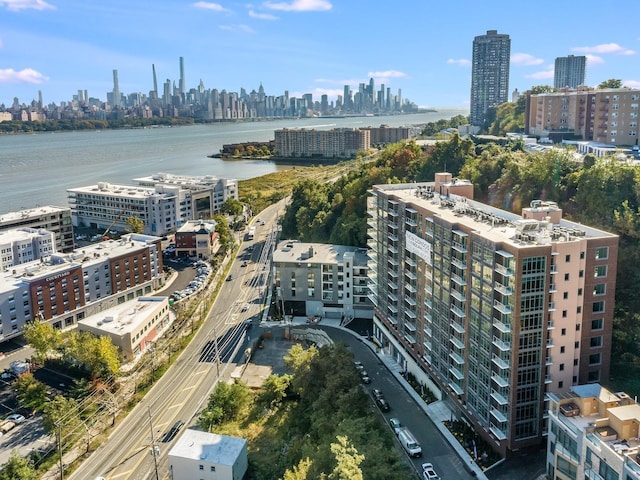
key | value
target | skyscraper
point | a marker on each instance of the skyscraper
(489, 74)
(117, 103)
(569, 71)
(182, 86)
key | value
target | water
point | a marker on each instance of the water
(38, 169)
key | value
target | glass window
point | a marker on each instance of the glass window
(598, 307)
(596, 342)
(599, 289)
(597, 324)
(602, 253)
(594, 359)
(601, 271)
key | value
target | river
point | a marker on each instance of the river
(38, 169)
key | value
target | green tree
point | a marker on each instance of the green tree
(31, 393)
(348, 461)
(300, 471)
(98, 355)
(18, 468)
(61, 413)
(274, 389)
(42, 337)
(136, 225)
(224, 404)
(611, 83)
(225, 237)
(231, 206)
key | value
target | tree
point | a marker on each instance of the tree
(611, 83)
(18, 468)
(348, 466)
(96, 354)
(225, 236)
(136, 225)
(231, 206)
(274, 389)
(62, 413)
(224, 404)
(31, 393)
(42, 337)
(300, 471)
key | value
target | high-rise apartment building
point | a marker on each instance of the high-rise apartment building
(489, 73)
(336, 143)
(569, 71)
(492, 309)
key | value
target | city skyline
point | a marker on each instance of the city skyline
(304, 46)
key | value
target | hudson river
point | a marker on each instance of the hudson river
(38, 169)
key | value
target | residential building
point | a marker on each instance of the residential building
(317, 279)
(208, 456)
(197, 238)
(133, 326)
(54, 219)
(385, 134)
(489, 73)
(492, 309)
(569, 71)
(593, 433)
(608, 116)
(24, 245)
(339, 143)
(65, 288)
(199, 197)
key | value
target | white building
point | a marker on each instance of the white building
(208, 456)
(133, 326)
(594, 434)
(65, 288)
(54, 219)
(24, 245)
(329, 280)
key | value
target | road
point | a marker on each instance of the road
(185, 387)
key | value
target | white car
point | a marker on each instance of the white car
(245, 307)
(428, 473)
(396, 425)
(16, 418)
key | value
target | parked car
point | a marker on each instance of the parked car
(364, 376)
(245, 307)
(358, 365)
(377, 393)
(395, 424)
(428, 472)
(173, 431)
(229, 278)
(409, 443)
(383, 404)
(16, 418)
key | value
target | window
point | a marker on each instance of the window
(599, 289)
(602, 253)
(562, 367)
(581, 255)
(581, 273)
(567, 258)
(563, 331)
(576, 345)
(597, 324)
(560, 384)
(575, 364)
(593, 376)
(598, 307)
(579, 310)
(577, 327)
(562, 349)
(565, 295)
(596, 342)
(601, 271)
(579, 292)
(566, 277)
(201, 467)
(564, 314)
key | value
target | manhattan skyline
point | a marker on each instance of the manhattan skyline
(301, 46)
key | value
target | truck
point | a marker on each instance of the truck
(252, 233)
(409, 443)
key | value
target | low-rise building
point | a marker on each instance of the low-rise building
(208, 456)
(133, 326)
(324, 280)
(65, 288)
(24, 245)
(54, 219)
(594, 434)
(197, 238)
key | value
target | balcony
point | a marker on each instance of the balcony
(456, 388)
(498, 415)
(458, 312)
(548, 361)
(393, 249)
(411, 262)
(392, 309)
(459, 247)
(500, 362)
(411, 222)
(456, 343)
(411, 301)
(409, 313)
(502, 345)
(499, 434)
(410, 288)
(502, 327)
(500, 381)
(552, 306)
(458, 295)
(500, 399)
(458, 263)
(458, 327)
(504, 271)
(502, 308)
(392, 297)
(456, 358)
(457, 374)
(458, 280)
(410, 275)
(502, 289)
(552, 288)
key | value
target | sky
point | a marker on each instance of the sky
(302, 46)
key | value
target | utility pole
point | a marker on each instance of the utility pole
(215, 344)
(154, 449)
(59, 435)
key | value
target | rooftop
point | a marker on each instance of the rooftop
(11, 217)
(493, 223)
(209, 447)
(105, 188)
(126, 317)
(181, 180)
(290, 251)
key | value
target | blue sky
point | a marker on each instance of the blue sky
(303, 46)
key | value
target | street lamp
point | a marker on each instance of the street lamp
(155, 450)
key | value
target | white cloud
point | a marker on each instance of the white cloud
(216, 7)
(262, 16)
(378, 77)
(542, 74)
(27, 75)
(237, 28)
(594, 60)
(300, 5)
(631, 83)
(463, 62)
(387, 74)
(525, 59)
(605, 48)
(17, 5)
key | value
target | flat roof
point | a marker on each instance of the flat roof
(208, 447)
(290, 251)
(186, 180)
(125, 191)
(37, 212)
(490, 222)
(126, 317)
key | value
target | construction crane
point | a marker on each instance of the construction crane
(104, 235)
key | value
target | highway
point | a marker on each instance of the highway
(183, 390)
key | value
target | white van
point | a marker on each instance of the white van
(409, 443)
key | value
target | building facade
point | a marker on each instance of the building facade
(608, 116)
(317, 279)
(197, 239)
(65, 288)
(133, 326)
(594, 434)
(385, 134)
(24, 245)
(55, 219)
(569, 71)
(489, 73)
(208, 456)
(492, 309)
(339, 143)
